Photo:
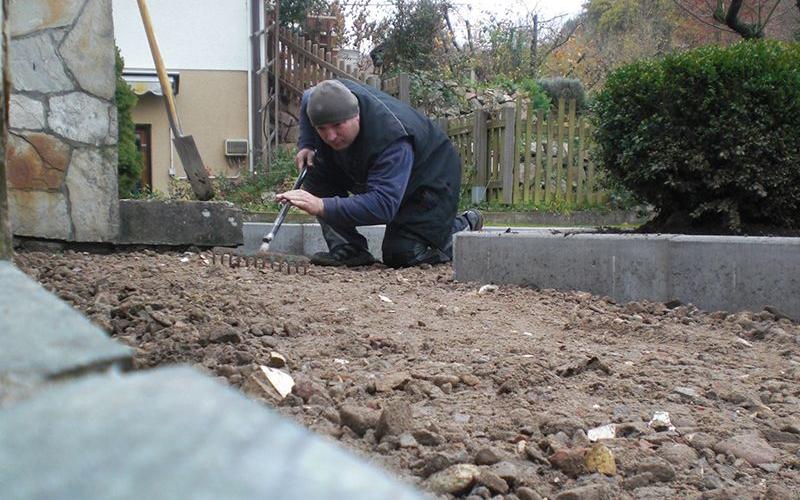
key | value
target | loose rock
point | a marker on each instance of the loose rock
(454, 479)
(749, 447)
(395, 419)
(359, 419)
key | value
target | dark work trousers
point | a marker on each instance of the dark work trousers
(401, 248)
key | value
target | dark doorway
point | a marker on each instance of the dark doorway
(143, 145)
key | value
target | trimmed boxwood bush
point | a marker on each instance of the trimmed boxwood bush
(711, 136)
(568, 88)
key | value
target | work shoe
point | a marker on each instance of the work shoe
(474, 218)
(345, 255)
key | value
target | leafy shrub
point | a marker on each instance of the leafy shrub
(251, 191)
(527, 86)
(129, 162)
(568, 88)
(710, 135)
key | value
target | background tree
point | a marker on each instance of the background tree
(748, 19)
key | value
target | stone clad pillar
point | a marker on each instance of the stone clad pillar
(5, 230)
(61, 157)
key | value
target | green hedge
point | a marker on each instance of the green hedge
(129, 162)
(712, 134)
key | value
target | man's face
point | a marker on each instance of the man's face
(340, 136)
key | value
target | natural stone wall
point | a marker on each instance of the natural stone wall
(5, 233)
(62, 148)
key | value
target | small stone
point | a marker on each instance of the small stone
(432, 463)
(535, 454)
(427, 438)
(590, 492)
(223, 333)
(392, 381)
(358, 418)
(567, 425)
(395, 419)
(792, 426)
(638, 481)
(687, 392)
(493, 482)
(771, 468)
(470, 380)
(441, 380)
(570, 462)
(678, 454)
(778, 492)
(660, 469)
(600, 459)
(525, 493)
(306, 388)
(454, 479)
(505, 469)
(276, 360)
(407, 441)
(701, 441)
(749, 447)
(487, 456)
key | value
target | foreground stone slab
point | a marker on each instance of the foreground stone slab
(43, 338)
(729, 273)
(202, 223)
(171, 433)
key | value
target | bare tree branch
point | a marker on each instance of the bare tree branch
(699, 18)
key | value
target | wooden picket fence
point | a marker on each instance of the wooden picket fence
(523, 157)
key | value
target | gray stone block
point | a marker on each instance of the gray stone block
(80, 117)
(712, 272)
(42, 337)
(171, 433)
(733, 273)
(35, 65)
(93, 194)
(303, 239)
(203, 223)
(27, 16)
(88, 50)
(39, 214)
(26, 113)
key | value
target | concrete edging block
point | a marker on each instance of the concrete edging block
(156, 222)
(712, 272)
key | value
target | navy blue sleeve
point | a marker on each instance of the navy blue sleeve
(387, 179)
(309, 139)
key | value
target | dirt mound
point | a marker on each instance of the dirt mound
(473, 394)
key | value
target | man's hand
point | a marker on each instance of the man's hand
(303, 200)
(304, 158)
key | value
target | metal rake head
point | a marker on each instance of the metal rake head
(276, 262)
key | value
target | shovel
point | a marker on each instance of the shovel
(184, 144)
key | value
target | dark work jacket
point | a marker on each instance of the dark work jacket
(430, 201)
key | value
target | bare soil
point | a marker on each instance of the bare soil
(468, 393)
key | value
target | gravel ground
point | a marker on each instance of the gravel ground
(470, 391)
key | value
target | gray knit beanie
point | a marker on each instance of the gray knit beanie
(331, 102)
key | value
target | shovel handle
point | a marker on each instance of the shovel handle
(166, 88)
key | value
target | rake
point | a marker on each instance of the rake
(276, 261)
(264, 256)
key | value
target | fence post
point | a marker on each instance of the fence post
(481, 143)
(509, 155)
(374, 80)
(404, 88)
